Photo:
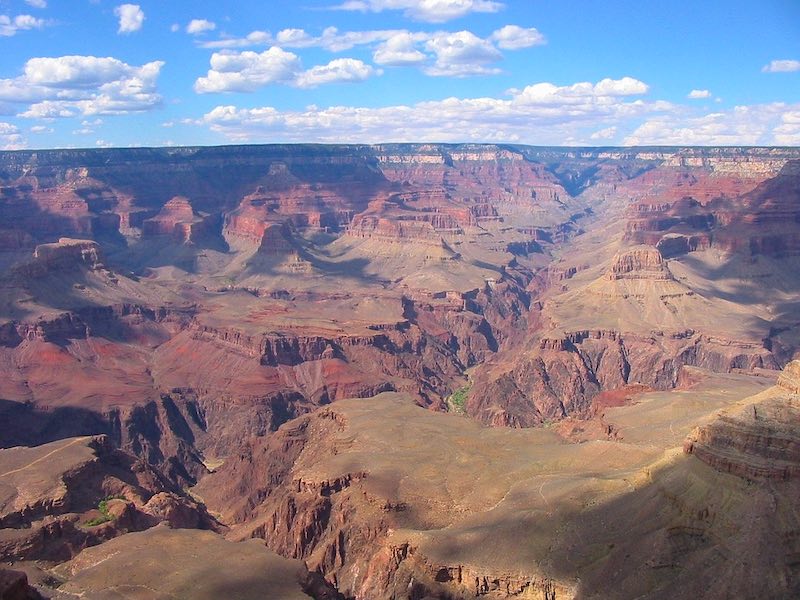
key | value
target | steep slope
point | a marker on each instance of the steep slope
(387, 500)
(608, 313)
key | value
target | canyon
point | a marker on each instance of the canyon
(400, 371)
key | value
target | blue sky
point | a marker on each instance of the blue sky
(93, 73)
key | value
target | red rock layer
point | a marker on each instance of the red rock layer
(754, 212)
(561, 374)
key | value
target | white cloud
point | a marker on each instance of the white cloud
(627, 86)
(37, 3)
(174, 28)
(457, 54)
(131, 18)
(788, 132)
(337, 71)
(197, 26)
(762, 124)
(461, 54)
(247, 71)
(74, 71)
(439, 53)
(9, 27)
(82, 85)
(514, 37)
(782, 66)
(698, 94)
(581, 96)
(10, 138)
(254, 38)
(432, 11)
(41, 129)
(399, 50)
(604, 134)
(516, 119)
(331, 39)
(295, 38)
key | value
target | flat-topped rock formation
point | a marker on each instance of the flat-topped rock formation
(68, 253)
(640, 262)
(200, 565)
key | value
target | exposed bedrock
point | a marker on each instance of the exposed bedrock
(757, 439)
(78, 492)
(739, 211)
(639, 262)
(65, 255)
(561, 374)
(342, 526)
(174, 388)
(14, 586)
(163, 432)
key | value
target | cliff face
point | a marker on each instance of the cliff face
(203, 306)
(757, 440)
(49, 508)
(750, 208)
(283, 489)
(455, 233)
(562, 375)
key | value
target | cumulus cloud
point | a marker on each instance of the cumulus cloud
(197, 26)
(399, 50)
(438, 53)
(82, 85)
(131, 18)
(604, 92)
(514, 37)
(762, 124)
(37, 3)
(604, 134)
(332, 39)
(248, 71)
(698, 94)
(565, 115)
(782, 66)
(254, 38)
(432, 11)
(457, 54)
(461, 54)
(337, 71)
(10, 137)
(11, 26)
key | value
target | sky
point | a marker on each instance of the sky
(103, 73)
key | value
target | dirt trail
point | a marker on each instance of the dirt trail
(46, 456)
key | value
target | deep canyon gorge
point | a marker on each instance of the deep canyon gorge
(400, 371)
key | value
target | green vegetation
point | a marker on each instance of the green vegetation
(105, 516)
(458, 399)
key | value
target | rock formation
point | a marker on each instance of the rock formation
(757, 439)
(200, 308)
